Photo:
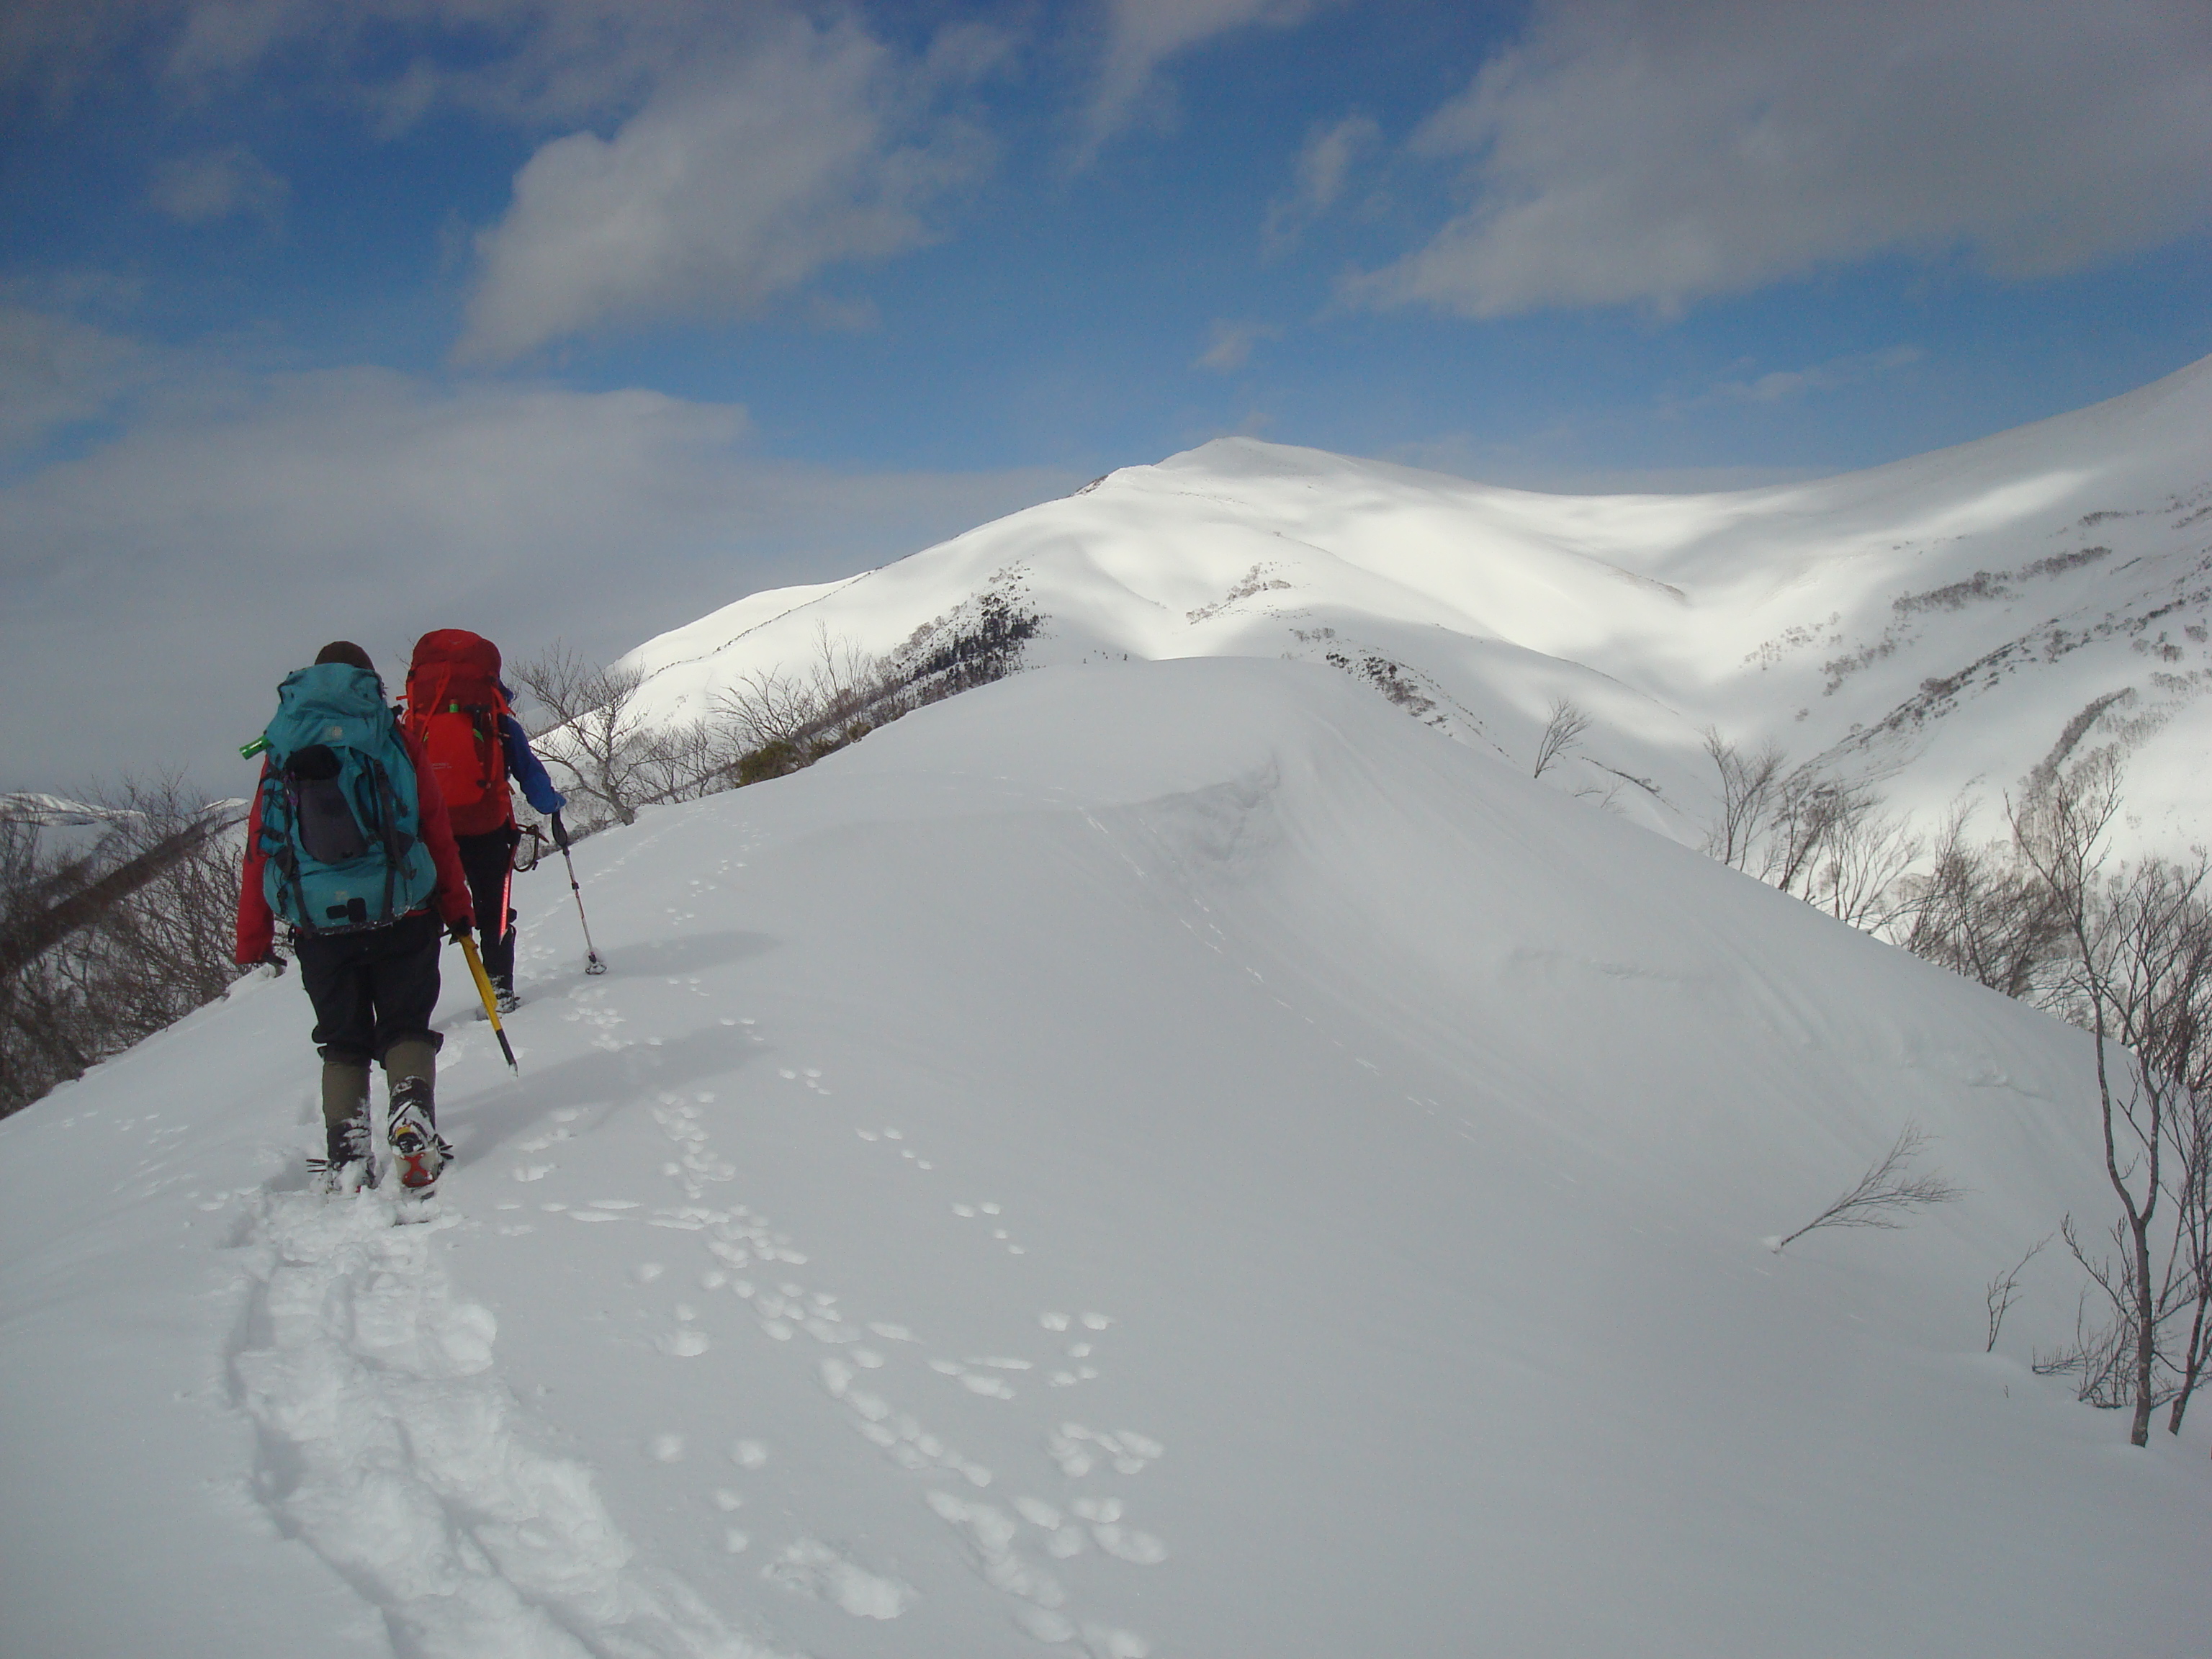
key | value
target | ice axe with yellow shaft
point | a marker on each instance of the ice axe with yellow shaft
(468, 944)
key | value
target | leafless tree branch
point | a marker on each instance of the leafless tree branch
(1882, 1196)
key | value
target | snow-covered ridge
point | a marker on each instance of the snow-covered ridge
(53, 812)
(1136, 1160)
(1938, 624)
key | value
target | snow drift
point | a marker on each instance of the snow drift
(1167, 1158)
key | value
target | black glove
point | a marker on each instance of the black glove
(560, 833)
(460, 930)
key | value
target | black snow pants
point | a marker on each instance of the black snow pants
(488, 862)
(373, 987)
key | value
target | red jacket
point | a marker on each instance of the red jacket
(257, 927)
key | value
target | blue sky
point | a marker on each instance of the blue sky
(580, 317)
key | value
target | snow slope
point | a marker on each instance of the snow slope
(1942, 625)
(1169, 1160)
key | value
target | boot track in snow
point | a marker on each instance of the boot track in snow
(393, 1449)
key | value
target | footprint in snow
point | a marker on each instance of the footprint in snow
(989, 1535)
(901, 1437)
(465, 1537)
(810, 1568)
(749, 1453)
(1079, 1450)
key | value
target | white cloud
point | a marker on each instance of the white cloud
(1836, 372)
(50, 49)
(548, 60)
(217, 183)
(1142, 34)
(1659, 151)
(157, 587)
(1324, 166)
(737, 147)
(529, 62)
(1232, 342)
(732, 185)
(224, 37)
(54, 370)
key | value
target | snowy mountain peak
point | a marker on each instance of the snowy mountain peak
(1936, 624)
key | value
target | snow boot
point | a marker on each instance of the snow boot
(503, 996)
(346, 1166)
(418, 1151)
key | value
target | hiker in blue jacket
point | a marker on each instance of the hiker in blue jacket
(460, 708)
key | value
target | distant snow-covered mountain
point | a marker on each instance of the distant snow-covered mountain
(53, 812)
(1940, 625)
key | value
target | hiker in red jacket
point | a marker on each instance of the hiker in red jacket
(457, 711)
(348, 842)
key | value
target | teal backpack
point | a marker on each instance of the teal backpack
(341, 823)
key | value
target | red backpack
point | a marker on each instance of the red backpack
(453, 708)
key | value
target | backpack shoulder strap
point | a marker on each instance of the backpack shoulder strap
(421, 706)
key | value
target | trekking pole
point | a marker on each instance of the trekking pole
(491, 1004)
(592, 962)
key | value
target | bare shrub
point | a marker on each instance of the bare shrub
(1827, 840)
(1885, 1194)
(2004, 1288)
(1981, 911)
(839, 688)
(770, 722)
(1804, 811)
(767, 707)
(2138, 976)
(1857, 872)
(110, 929)
(590, 729)
(1561, 736)
(682, 761)
(1748, 786)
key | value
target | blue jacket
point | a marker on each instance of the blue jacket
(526, 769)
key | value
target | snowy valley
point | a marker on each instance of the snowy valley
(1166, 1157)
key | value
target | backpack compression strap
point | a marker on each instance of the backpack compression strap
(388, 814)
(287, 862)
(420, 710)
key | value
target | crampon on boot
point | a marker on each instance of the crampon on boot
(346, 1167)
(341, 1179)
(418, 1151)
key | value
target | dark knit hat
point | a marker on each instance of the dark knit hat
(347, 651)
